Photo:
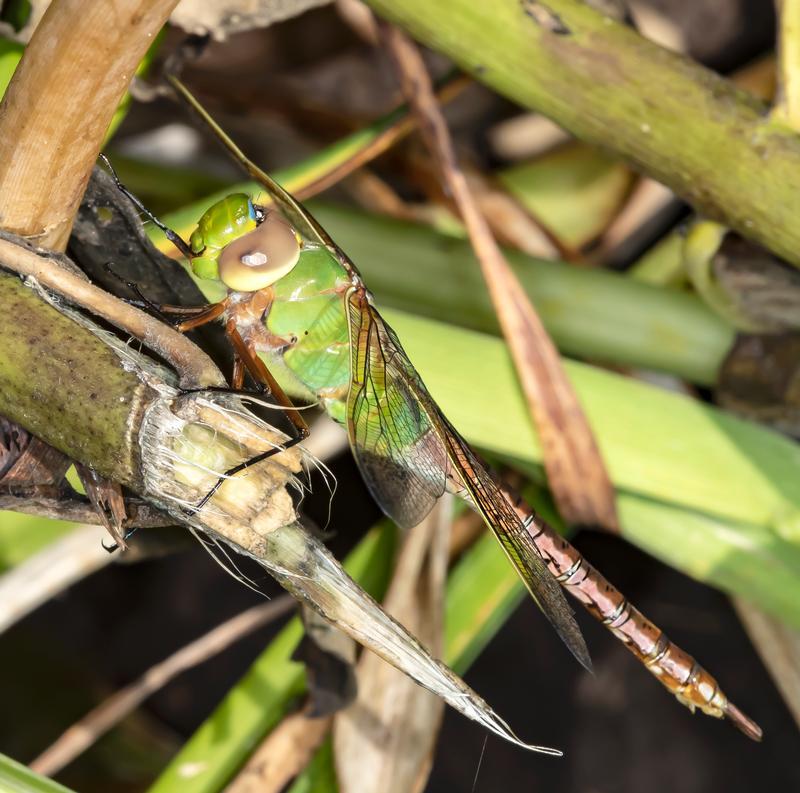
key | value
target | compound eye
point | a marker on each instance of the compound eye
(261, 257)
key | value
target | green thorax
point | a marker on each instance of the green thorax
(221, 224)
(308, 315)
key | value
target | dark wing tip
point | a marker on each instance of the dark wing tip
(568, 631)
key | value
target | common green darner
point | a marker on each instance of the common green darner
(296, 301)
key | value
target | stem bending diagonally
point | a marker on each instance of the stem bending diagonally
(575, 469)
(690, 129)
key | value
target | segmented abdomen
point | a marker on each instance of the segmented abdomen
(677, 670)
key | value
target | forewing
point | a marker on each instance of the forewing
(398, 448)
(405, 449)
(516, 541)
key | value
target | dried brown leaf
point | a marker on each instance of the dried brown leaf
(384, 742)
(760, 380)
(575, 469)
(283, 755)
(26, 461)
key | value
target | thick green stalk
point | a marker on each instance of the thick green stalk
(50, 367)
(678, 122)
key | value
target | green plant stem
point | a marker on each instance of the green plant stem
(17, 778)
(680, 123)
(50, 367)
(663, 264)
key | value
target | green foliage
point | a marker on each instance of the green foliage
(10, 55)
(17, 778)
(22, 536)
(259, 700)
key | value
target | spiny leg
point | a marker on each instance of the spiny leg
(109, 503)
(246, 358)
(237, 379)
(204, 316)
(164, 311)
(259, 372)
(197, 315)
(171, 235)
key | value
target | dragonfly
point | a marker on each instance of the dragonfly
(296, 305)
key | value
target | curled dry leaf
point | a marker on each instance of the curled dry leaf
(762, 289)
(760, 380)
(28, 464)
(384, 742)
(739, 280)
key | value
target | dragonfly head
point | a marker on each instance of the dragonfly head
(261, 257)
(243, 245)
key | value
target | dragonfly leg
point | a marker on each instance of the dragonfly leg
(109, 503)
(247, 359)
(171, 235)
(160, 310)
(237, 380)
(205, 315)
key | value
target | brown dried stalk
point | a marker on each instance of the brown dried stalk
(59, 104)
(81, 735)
(282, 755)
(575, 469)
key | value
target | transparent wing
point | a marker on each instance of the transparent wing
(399, 450)
(517, 543)
(406, 449)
